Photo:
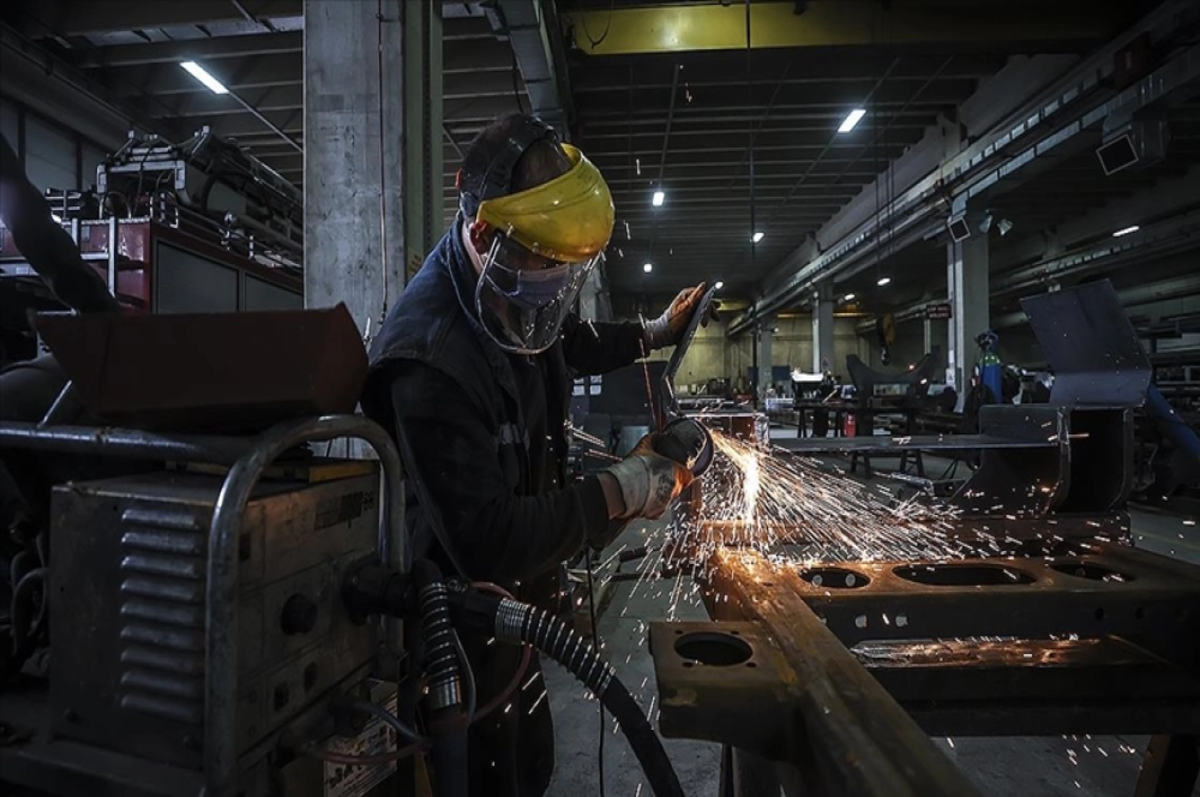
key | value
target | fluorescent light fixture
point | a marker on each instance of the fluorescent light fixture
(1126, 231)
(758, 236)
(883, 281)
(849, 297)
(719, 285)
(648, 268)
(200, 73)
(851, 120)
(659, 198)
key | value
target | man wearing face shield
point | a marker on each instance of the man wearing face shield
(475, 365)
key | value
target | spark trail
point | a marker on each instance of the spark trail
(771, 502)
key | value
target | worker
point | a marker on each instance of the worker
(474, 365)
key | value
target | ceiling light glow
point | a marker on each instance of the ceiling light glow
(719, 285)
(851, 120)
(849, 297)
(648, 268)
(200, 73)
(758, 236)
(883, 281)
(659, 198)
(1126, 231)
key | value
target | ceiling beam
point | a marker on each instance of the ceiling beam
(82, 18)
(279, 69)
(193, 50)
(1043, 130)
(995, 27)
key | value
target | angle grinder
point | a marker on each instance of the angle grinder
(686, 441)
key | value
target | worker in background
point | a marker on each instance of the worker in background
(475, 365)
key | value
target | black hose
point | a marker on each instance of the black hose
(521, 623)
(449, 754)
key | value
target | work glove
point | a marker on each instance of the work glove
(648, 481)
(668, 328)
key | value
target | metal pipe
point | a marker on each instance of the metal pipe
(124, 443)
(271, 125)
(64, 407)
(112, 255)
(221, 617)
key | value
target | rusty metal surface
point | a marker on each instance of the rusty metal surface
(211, 370)
(706, 701)
(842, 731)
(1148, 599)
(1098, 639)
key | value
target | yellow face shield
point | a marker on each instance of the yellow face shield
(568, 219)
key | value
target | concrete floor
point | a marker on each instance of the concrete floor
(1104, 766)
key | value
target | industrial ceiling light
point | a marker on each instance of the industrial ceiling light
(1004, 226)
(852, 119)
(719, 285)
(648, 268)
(658, 199)
(1126, 231)
(883, 281)
(849, 297)
(985, 223)
(758, 236)
(201, 74)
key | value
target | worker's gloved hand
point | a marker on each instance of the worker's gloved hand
(648, 481)
(668, 328)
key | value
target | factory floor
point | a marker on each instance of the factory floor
(1103, 766)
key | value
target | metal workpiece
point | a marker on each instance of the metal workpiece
(869, 658)
(812, 706)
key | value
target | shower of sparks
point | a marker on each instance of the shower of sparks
(771, 503)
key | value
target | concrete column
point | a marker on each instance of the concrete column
(354, 236)
(765, 334)
(421, 29)
(967, 280)
(822, 329)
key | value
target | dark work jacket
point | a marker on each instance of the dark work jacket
(435, 369)
(437, 372)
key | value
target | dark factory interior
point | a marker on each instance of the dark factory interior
(638, 398)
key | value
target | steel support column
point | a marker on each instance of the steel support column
(354, 242)
(967, 280)
(766, 331)
(822, 329)
(422, 116)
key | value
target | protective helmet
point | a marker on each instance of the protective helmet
(548, 240)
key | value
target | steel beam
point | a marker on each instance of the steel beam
(845, 730)
(80, 19)
(837, 23)
(532, 29)
(1006, 153)
(194, 50)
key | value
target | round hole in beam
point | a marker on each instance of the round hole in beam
(963, 575)
(835, 577)
(713, 649)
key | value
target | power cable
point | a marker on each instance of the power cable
(607, 27)
(596, 644)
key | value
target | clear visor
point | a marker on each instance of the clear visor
(523, 298)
